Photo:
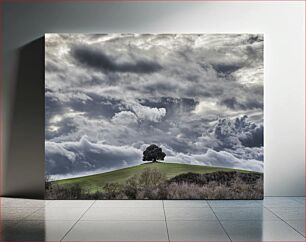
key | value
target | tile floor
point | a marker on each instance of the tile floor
(274, 219)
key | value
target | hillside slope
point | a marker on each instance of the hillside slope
(94, 183)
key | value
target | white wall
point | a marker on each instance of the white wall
(282, 24)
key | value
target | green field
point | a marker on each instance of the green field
(94, 183)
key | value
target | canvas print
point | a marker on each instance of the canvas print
(154, 116)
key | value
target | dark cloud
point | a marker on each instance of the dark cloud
(226, 68)
(238, 133)
(102, 107)
(52, 106)
(255, 38)
(97, 59)
(253, 138)
(248, 104)
(232, 103)
(253, 104)
(77, 157)
(97, 106)
(64, 127)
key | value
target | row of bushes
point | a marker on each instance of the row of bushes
(152, 184)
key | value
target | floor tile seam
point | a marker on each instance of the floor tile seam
(270, 209)
(20, 221)
(165, 217)
(300, 202)
(25, 218)
(220, 223)
(286, 223)
(73, 225)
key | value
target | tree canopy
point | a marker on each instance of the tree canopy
(153, 153)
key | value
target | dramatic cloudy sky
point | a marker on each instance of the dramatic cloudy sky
(108, 96)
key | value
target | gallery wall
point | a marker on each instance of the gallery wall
(24, 25)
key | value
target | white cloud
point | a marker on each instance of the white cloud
(124, 118)
(217, 159)
(210, 109)
(52, 148)
(147, 113)
(83, 155)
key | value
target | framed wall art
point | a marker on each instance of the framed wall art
(154, 116)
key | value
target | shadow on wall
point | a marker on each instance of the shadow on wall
(26, 134)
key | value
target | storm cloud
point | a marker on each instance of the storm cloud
(80, 156)
(108, 96)
(97, 59)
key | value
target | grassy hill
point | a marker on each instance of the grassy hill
(96, 182)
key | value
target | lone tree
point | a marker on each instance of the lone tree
(153, 153)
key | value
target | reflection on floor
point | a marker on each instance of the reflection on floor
(274, 219)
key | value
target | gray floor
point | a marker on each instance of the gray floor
(274, 219)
